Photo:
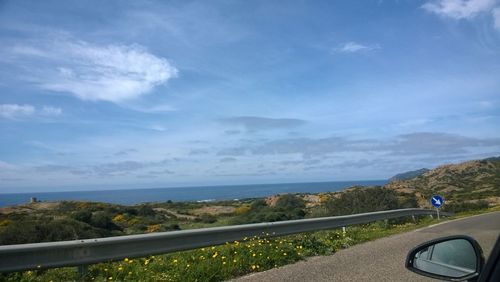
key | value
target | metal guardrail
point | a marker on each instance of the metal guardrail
(90, 251)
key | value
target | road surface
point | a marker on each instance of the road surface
(382, 259)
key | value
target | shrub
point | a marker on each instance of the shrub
(465, 206)
(145, 210)
(83, 216)
(23, 232)
(362, 200)
(103, 220)
(207, 218)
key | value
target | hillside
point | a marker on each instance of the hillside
(465, 182)
(409, 174)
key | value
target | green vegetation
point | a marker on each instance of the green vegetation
(44, 222)
(465, 182)
(287, 207)
(223, 262)
(360, 200)
(409, 174)
(461, 206)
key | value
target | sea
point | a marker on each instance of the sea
(183, 194)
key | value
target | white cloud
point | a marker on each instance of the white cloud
(51, 111)
(154, 109)
(113, 73)
(496, 18)
(459, 9)
(353, 47)
(13, 111)
(157, 128)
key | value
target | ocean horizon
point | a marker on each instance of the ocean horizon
(184, 194)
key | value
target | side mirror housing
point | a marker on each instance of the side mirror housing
(454, 258)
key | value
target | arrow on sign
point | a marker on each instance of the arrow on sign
(437, 201)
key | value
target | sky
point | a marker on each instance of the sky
(140, 94)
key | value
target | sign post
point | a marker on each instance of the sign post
(437, 201)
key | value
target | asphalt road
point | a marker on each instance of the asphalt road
(383, 259)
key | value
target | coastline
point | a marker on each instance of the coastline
(185, 194)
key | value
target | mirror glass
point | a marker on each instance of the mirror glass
(453, 258)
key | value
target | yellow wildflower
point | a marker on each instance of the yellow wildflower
(125, 260)
(253, 267)
(215, 255)
(284, 254)
(120, 268)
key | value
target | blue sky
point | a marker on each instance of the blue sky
(131, 94)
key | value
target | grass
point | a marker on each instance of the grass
(233, 259)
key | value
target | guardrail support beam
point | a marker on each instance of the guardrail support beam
(83, 270)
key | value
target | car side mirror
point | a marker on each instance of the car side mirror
(454, 258)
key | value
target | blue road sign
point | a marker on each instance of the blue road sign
(437, 201)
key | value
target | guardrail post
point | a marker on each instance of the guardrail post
(83, 270)
(413, 218)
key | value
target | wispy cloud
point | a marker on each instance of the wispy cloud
(353, 47)
(125, 152)
(113, 73)
(496, 18)
(16, 111)
(156, 127)
(253, 123)
(227, 160)
(51, 111)
(153, 109)
(459, 9)
(436, 143)
(465, 9)
(420, 143)
(12, 111)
